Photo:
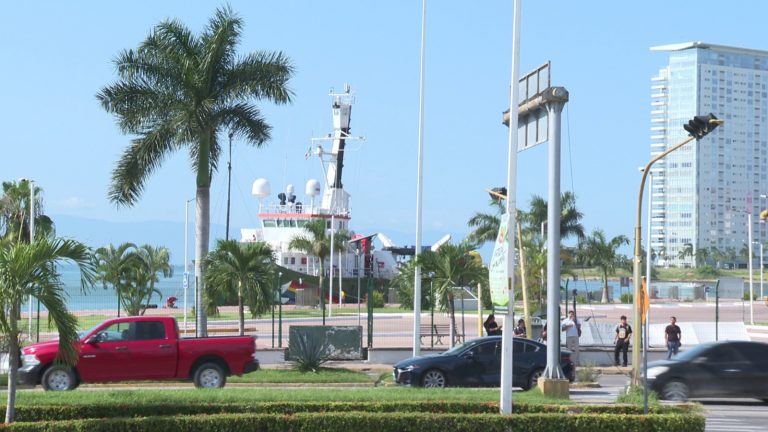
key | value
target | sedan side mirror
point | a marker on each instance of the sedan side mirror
(469, 355)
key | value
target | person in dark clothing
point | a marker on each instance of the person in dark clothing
(520, 329)
(623, 331)
(491, 328)
(672, 337)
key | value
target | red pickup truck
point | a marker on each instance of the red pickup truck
(140, 348)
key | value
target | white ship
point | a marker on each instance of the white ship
(284, 219)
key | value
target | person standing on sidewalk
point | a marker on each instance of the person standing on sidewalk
(672, 337)
(572, 329)
(623, 331)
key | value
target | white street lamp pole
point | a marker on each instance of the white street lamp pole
(330, 261)
(419, 188)
(505, 402)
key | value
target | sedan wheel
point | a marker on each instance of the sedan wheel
(433, 379)
(675, 391)
(533, 380)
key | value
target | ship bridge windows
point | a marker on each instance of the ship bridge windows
(269, 223)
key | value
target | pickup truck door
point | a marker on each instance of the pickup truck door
(154, 350)
(132, 350)
(105, 355)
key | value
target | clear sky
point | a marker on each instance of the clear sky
(57, 55)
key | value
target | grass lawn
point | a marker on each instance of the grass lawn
(245, 395)
(325, 375)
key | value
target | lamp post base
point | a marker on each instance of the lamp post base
(557, 388)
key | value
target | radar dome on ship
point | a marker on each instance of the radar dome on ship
(261, 188)
(312, 188)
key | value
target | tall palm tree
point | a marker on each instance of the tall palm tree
(486, 224)
(317, 242)
(247, 266)
(717, 255)
(14, 212)
(453, 266)
(114, 266)
(570, 216)
(597, 251)
(30, 270)
(179, 90)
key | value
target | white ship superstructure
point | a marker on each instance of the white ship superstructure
(285, 219)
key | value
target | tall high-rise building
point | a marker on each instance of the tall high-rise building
(703, 191)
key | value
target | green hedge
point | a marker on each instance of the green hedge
(381, 422)
(109, 410)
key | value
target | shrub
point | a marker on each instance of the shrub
(380, 422)
(378, 299)
(627, 298)
(707, 271)
(586, 372)
(634, 396)
(309, 353)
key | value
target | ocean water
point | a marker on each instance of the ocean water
(98, 298)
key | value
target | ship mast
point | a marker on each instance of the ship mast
(335, 199)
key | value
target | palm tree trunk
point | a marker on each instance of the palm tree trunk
(453, 317)
(202, 222)
(240, 309)
(13, 367)
(605, 288)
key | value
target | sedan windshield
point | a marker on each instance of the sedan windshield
(460, 347)
(692, 353)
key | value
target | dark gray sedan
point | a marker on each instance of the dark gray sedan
(477, 363)
(713, 370)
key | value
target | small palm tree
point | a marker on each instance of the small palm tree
(248, 267)
(317, 242)
(597, 251)
(685, 252)
(151, 262)
(180, 91)
(717, 255)
(702, 256)
(113, 267)
(453, 266)
(29, 270)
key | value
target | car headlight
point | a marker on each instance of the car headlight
(656, 371)
(410, 368)
(30, 360)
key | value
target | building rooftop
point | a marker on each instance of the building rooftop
(704, 45)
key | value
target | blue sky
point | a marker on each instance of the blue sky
(57, 55)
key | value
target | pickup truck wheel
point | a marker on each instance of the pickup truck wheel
(210, 375)
(59, 378)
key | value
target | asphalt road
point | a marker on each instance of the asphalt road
(726, 415)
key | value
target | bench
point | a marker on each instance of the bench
(438, 331)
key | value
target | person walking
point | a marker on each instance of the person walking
(572, 328)
(621, 340)
(672, 337)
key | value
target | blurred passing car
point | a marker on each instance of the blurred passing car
(477, 363)
(712, 370)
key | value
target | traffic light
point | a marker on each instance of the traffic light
(700, 126)
(764, 215)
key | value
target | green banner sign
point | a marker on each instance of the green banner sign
(498, 271)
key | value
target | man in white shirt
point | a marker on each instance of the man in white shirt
(571, 327)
